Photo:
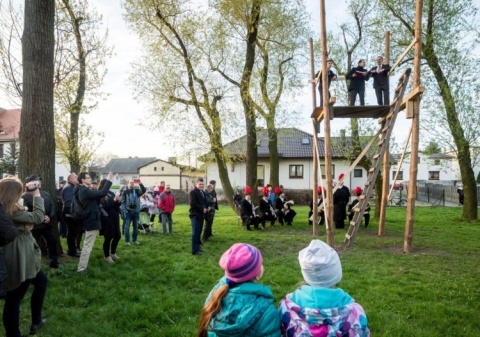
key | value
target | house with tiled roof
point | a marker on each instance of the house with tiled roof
(295, 159)
(125, 169)
(179, 177)
(9, 133)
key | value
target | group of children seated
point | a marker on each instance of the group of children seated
(239, 306)
(273, 205)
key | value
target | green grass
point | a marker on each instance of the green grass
(158, 288)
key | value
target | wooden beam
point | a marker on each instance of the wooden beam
(415, 94)
(315, 143)
(410, 46)
(318, 111)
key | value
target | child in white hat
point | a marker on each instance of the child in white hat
(318, 309)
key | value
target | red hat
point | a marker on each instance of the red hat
(340, 177)
(358, 190)
(264, 190)
(248, 190)
(319, 189)
(277, 190)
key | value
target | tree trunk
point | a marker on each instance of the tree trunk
(37, 139)
(273, 148)
(249, 111)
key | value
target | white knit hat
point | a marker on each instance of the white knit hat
(320, 265)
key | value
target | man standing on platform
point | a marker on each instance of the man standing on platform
(381, 82)
(357, 76)
(331, 76)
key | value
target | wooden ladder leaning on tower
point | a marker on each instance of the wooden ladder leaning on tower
(387, 126)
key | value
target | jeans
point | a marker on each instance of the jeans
(196, 233)
(167, 218)
(88, 243)
(13, 299)
(129, 217)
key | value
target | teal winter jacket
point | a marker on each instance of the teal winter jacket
(247, 310)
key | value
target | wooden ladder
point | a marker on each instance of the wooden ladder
(387, 124)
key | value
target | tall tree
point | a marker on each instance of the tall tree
(9, 161)
(174, 77)
(37, 139)
(449, 35)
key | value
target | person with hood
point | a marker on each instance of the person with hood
(166, 204)
(238, 306)
(318, 308)
(90, 199)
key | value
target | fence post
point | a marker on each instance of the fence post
(443, 197)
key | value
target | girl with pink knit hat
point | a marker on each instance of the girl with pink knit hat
(238, 306)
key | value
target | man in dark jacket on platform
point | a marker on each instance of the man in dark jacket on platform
(381, 81)
(44, 229)
(357, 76)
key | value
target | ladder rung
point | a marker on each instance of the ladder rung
(348, 236)
(376, 156)
(362, 197)
(356, 209)
(371, 170)
(382, 119)
(380, 143)
(385, 129)
(367, 183)
(353, 223)
(394, 101)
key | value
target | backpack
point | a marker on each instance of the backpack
(78, 214)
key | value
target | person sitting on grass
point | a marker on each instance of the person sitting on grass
(317, 308)
(248, 211)
(238, 305)
(358, 192)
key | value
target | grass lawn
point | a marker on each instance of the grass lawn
(158, 288)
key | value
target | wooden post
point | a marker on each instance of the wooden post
(326, 125)
(314, 145)
(412, 184)
(386, 159)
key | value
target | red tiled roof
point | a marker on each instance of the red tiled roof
(9, 124)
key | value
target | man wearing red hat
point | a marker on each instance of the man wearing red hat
(358, 192)
(248, 210)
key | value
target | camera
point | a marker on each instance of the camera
(32, 185)
(133, 204)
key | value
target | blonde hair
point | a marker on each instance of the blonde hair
(210, 309)
(11, 190)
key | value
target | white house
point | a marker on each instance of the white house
(177, 176)
(9, 131)
(296, 160)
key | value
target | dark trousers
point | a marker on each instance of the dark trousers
(50, 239)
(207, 228)
(152, 218)
(72, 232)
(251, 221)
(383, 95)
(321, 95)
(110, 244)
(62, 224)
(264, 218)
(13, 299)
(196, 234)
(353, 96)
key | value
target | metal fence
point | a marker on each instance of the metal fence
(437, 193)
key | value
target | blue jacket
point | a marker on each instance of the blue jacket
(247, 310)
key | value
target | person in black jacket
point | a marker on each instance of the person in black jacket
(357, 76)
(8, 231)
(248, 211)
(358, 192)
(330, 75)
(381, 82)
(43, 229)
(72, 226)
(110, 223)
(62, 225)
(197, 212)
(266, 211)
(89, 200)
(321, 211)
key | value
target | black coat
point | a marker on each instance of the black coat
(357, 83)
(8, 231)
(264, 208)
(89, 199)
(49, 205)
(247, 209)
(198, 203)
(330, 76)
(67, 198)
(381, 80)
(111, 223)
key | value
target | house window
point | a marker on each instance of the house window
(357, 173)
(418, 160)
(1, 150)
(260, 175)
(296, 171)
(155, 169)
(305, 141)
(322, 167)
(162, 168)
(436, 162)
(433, 175)
(400, 175)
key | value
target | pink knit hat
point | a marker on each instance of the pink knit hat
(242, 262)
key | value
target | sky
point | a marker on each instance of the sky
(123, 120)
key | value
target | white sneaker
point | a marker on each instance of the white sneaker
(109, 259)
(128, 243)
(136, 242)
(114, 257)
